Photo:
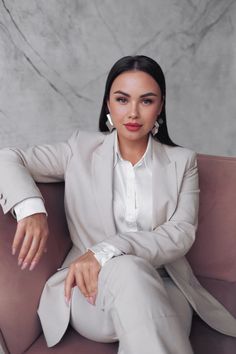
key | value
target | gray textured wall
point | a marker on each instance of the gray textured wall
(55, 55)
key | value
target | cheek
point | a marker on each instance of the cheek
(118, 110)
(150, 113)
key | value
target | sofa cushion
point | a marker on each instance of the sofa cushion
(73, 343)
(205, 340)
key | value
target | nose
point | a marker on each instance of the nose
(133, 111)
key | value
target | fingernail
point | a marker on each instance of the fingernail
(67, 301)
(20, 261)
(24, 266)
(90, 300)
(13, 251)
(33, 264)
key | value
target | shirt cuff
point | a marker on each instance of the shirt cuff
(103, 251)
(28, 207)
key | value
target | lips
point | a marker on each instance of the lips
(133, 125)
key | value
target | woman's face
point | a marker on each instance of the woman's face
(134, 103)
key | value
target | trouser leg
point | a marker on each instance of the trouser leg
(143, 316)
(132, 294)
(181, 306)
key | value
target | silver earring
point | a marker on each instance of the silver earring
(155, 128)
(109, 123)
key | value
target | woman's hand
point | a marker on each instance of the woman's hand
(83, 272)
(32, 233)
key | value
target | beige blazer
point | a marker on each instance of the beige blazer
(85, 162)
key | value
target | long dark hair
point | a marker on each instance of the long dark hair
(151, 67)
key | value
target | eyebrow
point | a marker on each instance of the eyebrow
(144, 95)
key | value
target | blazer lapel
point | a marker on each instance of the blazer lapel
(164, 181)
(102, 176)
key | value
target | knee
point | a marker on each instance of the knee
(130, 264)
(133, 280)
(128, 269)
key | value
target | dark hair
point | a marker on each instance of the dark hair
(151, 67)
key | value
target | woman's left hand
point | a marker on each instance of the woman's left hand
(83, 272)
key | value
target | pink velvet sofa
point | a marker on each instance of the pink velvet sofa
(213, 258)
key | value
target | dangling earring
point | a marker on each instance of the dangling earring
(109, 123)
(155, 128)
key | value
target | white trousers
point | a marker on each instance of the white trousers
(145, 312)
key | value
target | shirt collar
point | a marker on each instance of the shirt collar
(146, 158)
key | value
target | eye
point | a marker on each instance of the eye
(121, 99)
(147, 101)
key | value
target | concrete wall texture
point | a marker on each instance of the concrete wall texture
(55, 56)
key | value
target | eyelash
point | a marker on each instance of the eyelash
(121, 100)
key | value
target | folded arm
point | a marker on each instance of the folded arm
(20, 169)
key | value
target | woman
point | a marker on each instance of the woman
(131, 200)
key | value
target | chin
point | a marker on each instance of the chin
(134, 136)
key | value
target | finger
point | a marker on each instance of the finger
(24, 248)
(70, 279)
(38, 254)
(93, 281)
(80, 283)
(31, 252)
(93, 286)
(18, 237)
(87, 281)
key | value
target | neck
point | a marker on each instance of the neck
(132, 150)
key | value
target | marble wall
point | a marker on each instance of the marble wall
(55, 55)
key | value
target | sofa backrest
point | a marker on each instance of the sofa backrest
(214, 251)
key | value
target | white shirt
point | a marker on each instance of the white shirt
(132, 200)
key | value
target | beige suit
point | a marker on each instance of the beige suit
(85, 162)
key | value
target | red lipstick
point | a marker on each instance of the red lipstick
(133, 127)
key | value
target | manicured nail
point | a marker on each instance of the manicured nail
(20, 261)
(33, 264)
(13, 251)
(67, 301)
(24, 266)
(90, 299)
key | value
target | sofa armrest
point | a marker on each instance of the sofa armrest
(21, 290)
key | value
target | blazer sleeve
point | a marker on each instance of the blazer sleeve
(172, 239)
(20, 169)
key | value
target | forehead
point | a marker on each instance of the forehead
(135, 81)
